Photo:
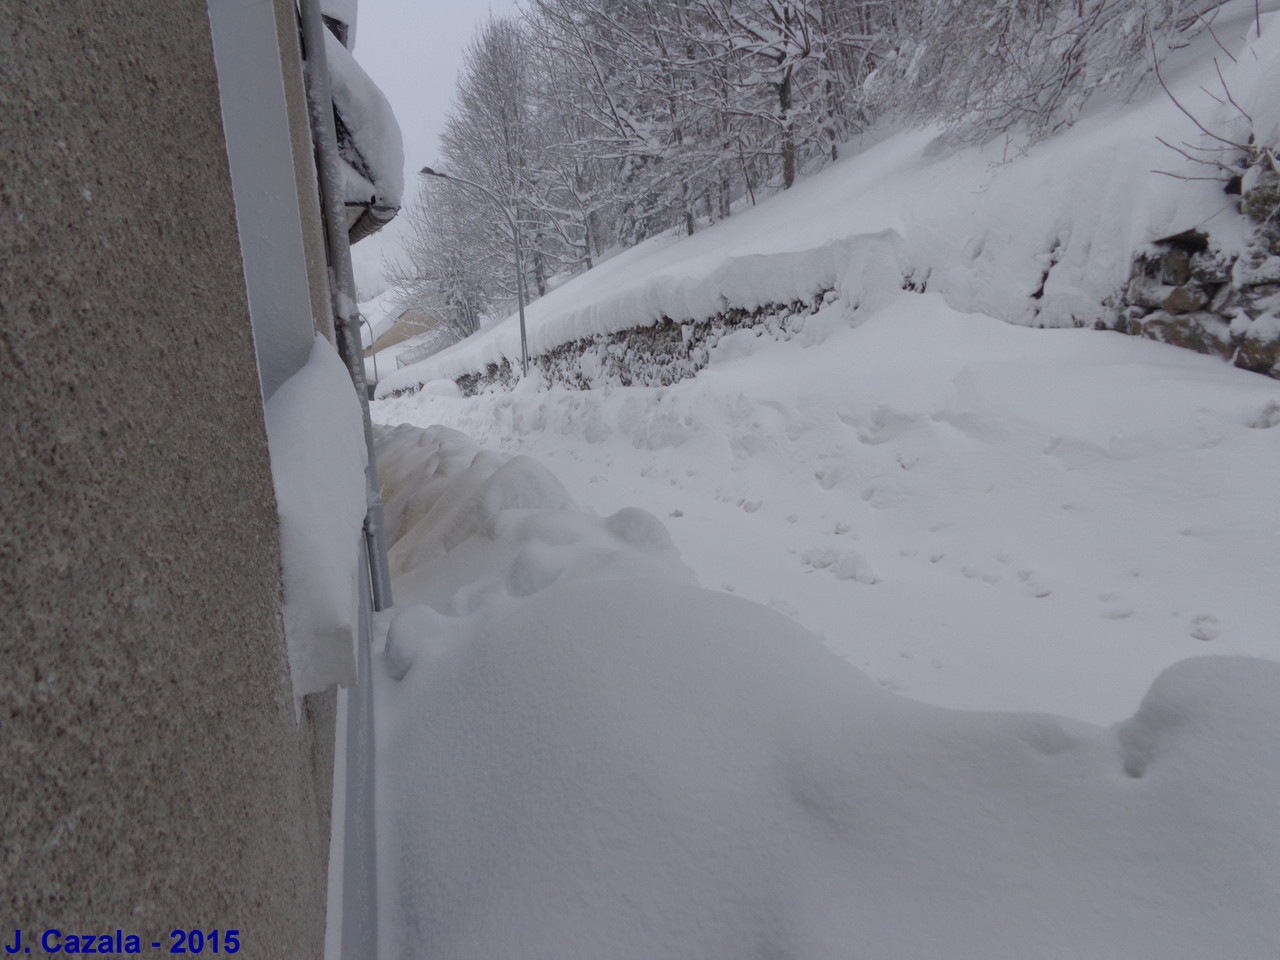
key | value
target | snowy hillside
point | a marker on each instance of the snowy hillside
(867, 638)
(1041, 237)
(978, 514)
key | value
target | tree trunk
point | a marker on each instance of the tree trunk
(539, 268)
(788, 131)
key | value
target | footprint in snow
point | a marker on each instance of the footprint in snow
(1268, 418)
(973, 573)
(826, 477)
(844, 564)
(1028, 586)
(1205, 626)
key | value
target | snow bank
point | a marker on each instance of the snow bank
(470, 527)
(579, 762)
(316, 434)
(1039, 236)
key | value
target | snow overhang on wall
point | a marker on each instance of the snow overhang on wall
(313, 414)
(318, 457)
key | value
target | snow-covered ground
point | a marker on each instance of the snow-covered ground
(976, 514)
(583, 755)
(580, 754)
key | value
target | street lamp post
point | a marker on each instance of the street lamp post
(515, 242)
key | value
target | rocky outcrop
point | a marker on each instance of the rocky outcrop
(1204, 301)
(1185, 291)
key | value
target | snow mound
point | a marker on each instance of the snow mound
(584, 755)
(470, 526)
(316, 436)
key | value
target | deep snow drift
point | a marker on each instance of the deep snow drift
(583, 755)
(318, 457)
(977, 514)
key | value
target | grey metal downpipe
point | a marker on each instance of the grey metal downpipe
(360, 878)
(342, 284)
(359, 848)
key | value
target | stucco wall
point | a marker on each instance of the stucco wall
(152, 773)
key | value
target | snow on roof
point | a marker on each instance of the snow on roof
(343, 11)
(370, 120)
(381, 312)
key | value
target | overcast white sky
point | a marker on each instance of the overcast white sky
(412, 49)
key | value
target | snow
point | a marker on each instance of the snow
(1022, 519)
(381, 312)
(886, 638)
(315, 430)
(979, 515)
(373, 125)
(476, 526)
(583, 754)
(345, 12)
(980, 225)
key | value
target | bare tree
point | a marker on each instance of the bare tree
(602, 122)
(439, 276)
(985, 67)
